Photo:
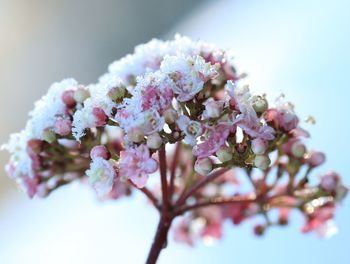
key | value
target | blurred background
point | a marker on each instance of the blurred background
(298, 47)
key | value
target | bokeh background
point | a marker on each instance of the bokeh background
(298, 47)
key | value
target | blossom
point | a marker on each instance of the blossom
(320, 220)
(101, 175)
(282, 117)
(88, 117)
(213, 109)
(155, 92)
(192, 129)
(136, 164)
(217, 138)
(203, 166)
(187, 74)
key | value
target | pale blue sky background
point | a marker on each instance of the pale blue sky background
(298, 47)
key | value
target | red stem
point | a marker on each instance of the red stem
(216, 201)
(204, 181)
(160, 239)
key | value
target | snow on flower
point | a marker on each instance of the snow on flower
(186, 94)
(136, 164)
(102, 174)
(155, 92)
(188, 75)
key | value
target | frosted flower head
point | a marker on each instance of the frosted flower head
(186, 93)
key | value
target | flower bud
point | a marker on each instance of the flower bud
(49, 136)
(262, 161)
(170, 116)
(136, 135)
(330, 181)
(100, 116)
(81, 94)
(259, 146)
(117, 92)
(316, 158)
(154, 141)
(63, 127)
(203, 166)
(260, 104)
(68, 98)
(224, 154)
(259, 230)
(100, 152)
(298, 149)
(34, 146)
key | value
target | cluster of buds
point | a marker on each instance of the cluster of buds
(185, 98)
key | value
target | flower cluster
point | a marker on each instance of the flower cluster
(185, 94)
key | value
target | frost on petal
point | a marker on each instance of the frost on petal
(136, 164)
(155, 92)
(187, 74)
(101, 175)
(48, 109)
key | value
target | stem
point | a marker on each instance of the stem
(173, 168)
(200, 184)
(216, 201)
(160, 239)
(163, 179)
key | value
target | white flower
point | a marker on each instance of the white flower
(192, 129)
(188, 74)
(101, 175)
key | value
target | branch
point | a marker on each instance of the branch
(216, 201)
(201, 183)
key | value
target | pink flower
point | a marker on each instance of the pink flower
(282, 118)
(192, 129)
(250, 124)
(28, 185)
(136, 164)
(319, 219)
(217, 138)
(156, 94)
(119, 189)
(212, 230)
(182, 232)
